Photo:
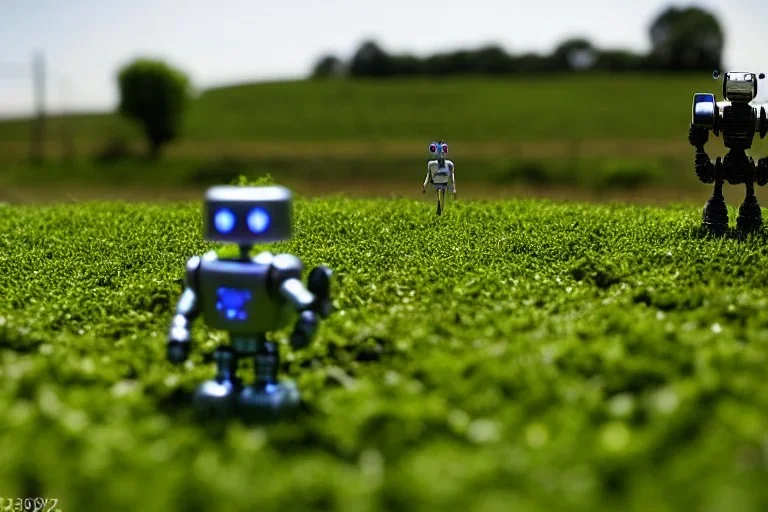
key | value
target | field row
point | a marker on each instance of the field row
(510, 355)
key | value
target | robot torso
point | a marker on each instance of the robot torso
(738, 122)
(440, 175)
(238, 296)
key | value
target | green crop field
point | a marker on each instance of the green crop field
(511, 355)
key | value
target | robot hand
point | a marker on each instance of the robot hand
(178, 343)
(697, 136)
(319, 284)
(705, 169)
(423, 189)
(304, 330)
(454, 193)
(762, 172)
(177, 352)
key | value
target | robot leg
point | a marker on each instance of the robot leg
(750, 216)
(216, 397)
(268, 398)
(440, 195)
(715, 214)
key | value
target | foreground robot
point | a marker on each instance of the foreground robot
(439, 173)
(248, 297)
(738, 121)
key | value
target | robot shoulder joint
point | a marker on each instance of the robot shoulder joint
(285, 266)
(193, 265)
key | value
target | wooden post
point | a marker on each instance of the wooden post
(37, 146)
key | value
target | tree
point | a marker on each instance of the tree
(574, 54)
(371, 61)
(620, 60)
(491, 60)
(689, 39)
(328, 66)
(156, 96)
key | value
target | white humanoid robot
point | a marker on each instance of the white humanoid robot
(440, 171)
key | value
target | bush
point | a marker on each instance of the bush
(155, 95)
(115, 150)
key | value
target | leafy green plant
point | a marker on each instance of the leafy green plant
(515, 355)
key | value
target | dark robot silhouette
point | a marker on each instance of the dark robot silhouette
(738, 122)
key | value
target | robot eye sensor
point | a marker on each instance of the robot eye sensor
(258, 220)
(224, 220)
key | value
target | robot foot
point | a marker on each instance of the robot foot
(439, 209)
(216, 398)
(750, 216)
(715, 215)
(268, 402)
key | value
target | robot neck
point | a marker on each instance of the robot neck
(245, 251)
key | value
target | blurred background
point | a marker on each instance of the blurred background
(156, 100)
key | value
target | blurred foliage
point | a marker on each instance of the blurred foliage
(156, 96)
(116, 149)
(512, 355)
(328, 66)
(688, 39)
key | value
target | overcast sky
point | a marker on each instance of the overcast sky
(226, 41)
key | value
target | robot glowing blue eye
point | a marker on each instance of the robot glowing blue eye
(224, 220)
(258, 220)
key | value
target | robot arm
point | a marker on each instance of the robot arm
(187, 309)
(311, 301)
(427, 179)
(705, 117)
(705, 169)
(762, 171)
(453, 179)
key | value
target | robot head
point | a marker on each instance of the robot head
(247, 215)
(739, 87)
(438, 149)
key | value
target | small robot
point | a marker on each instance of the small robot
(439, 172)
(248, 297)
(738, 121)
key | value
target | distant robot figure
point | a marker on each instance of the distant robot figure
(248, 297)
(738, 121)
(439, 172)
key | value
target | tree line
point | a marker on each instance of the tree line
(156, 95)
(682, 39)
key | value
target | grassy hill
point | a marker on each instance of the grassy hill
(516, 355)
(464, 109)
(568, 130)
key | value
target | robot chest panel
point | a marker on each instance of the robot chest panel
(236, 298)
(738, 126)
(439, 173)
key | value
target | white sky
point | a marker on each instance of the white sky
(227, 41)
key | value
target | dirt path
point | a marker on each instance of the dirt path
(261, 149)
(369, 189)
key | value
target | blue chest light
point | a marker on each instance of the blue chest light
(232, 303)
(224, 220)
